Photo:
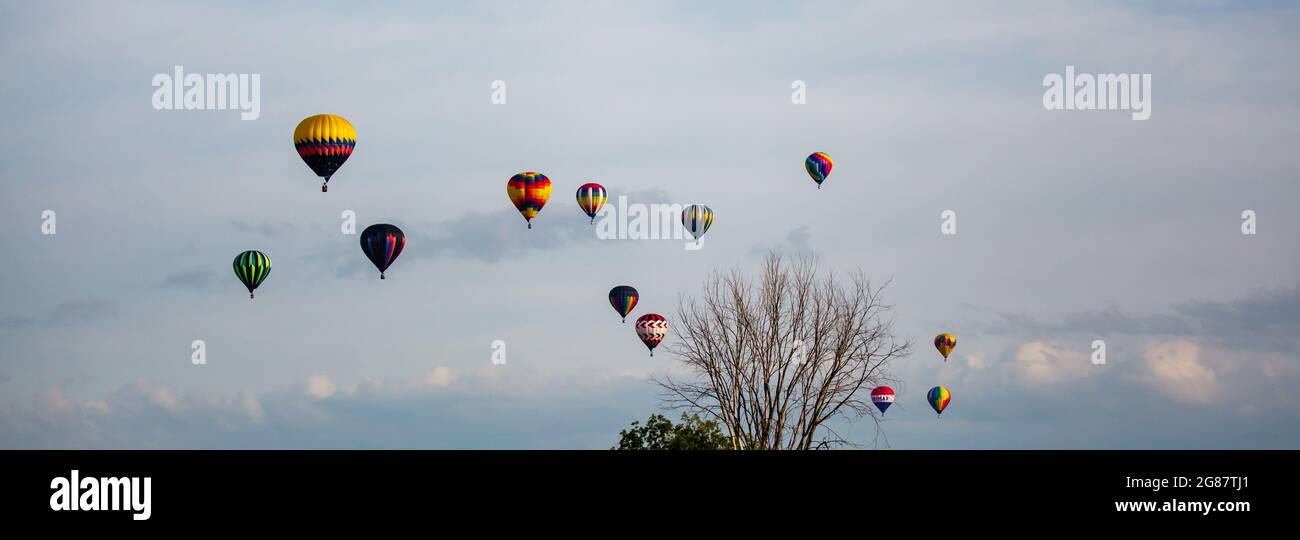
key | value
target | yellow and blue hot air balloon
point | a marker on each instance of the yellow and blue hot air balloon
(945, 342)
(324, 142)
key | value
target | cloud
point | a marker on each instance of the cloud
(320, 386)
(1046, 363)
(198, 279)
(67, 313)
(1176, 370)
(1268, 320)
(797, 243)
(495, 408)
(264, 228)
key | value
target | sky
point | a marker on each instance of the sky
(1071, 225)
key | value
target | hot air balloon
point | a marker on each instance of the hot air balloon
(945, 342)
(697, 218)
(623, 298)
(651, 328)
(591, 198)
(939, 398)
(324, 141)
(252, 267)
(382, 243)
(529, 192)
(883, 397)
(819, 167)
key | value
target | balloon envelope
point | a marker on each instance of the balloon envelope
(939, 398)
(651, 328)
(382, 243)
(883, 397)
(697, 219)
(591, 198)
(945, 342)
(819, 167)
(252, 267)
(529, 192)
(324, 142)
(623, 298)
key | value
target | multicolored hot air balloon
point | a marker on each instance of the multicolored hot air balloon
(623, 298)
(939, 398)
(529, 192)
(651, 328)
(324, 141)
(819, 167)
(252, 267)
(883, 397)
(382, 243)
(945, 342)
(697, 219)
(591, 198)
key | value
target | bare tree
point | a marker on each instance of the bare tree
(776, 359)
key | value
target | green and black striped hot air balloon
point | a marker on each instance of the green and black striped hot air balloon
(252, 267)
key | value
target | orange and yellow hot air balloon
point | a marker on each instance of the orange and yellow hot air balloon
(529, 192)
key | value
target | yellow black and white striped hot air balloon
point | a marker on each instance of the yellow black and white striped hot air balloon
(324, 142)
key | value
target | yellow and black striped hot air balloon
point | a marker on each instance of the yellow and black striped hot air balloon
(324, 142)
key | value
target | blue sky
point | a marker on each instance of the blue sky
(1072, 225)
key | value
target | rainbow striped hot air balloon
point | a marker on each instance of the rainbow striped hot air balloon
(591, 198)
(818, 165)
(252, 267)
(883, 397)
(939, 398)
(623, 298)
(529, 192)
(324, 142)
(382, 243)
(945, 342)
(651, 328)
(697, 219)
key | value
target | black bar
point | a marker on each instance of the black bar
(410, 486)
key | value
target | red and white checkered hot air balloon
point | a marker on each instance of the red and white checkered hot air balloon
(651, 328)
(883, 397)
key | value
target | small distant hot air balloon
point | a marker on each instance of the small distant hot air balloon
(529, 192)
(623, 298)
(651, 328)
(382, 243)
(697, 219)
(819, 167)
(324, 142)
(252, 267)
(591, 198)
(939, 398)
(883, 397)
(945, 342)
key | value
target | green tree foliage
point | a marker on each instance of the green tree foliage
(659, 433)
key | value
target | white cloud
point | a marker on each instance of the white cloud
(320, 386)
(1046, 363)
(1176, 370)
(440, 376)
